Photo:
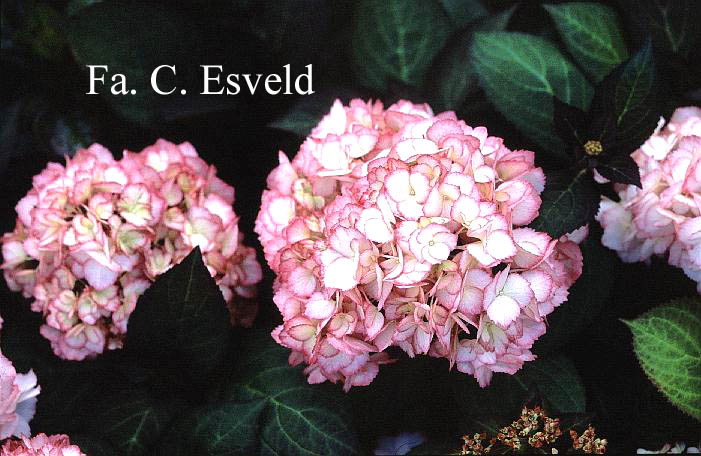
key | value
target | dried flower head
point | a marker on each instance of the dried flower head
(398, 227)
(588, 442)
(532, 430)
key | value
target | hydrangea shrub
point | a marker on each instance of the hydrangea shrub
(398, 227)
(665, 215)
(91, 236)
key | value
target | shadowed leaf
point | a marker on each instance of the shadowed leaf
(269, 408)
(521, 75)
(395, 39)
(568, 203)
(183, 314)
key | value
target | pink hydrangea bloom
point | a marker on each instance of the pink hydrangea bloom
(41, 445)
(665, 215)
(384, 231)
(18, 399)
(92, 236)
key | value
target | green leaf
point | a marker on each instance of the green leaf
(183, 314)
(44, 31)
(397, 40)
(269, 408)
(554, 379)
(452, 76)
(592, 34)
(521, 74)
(568, 203)
(464, 12)
(307, 111)
(667, 342)
(635, 98)
(130, 420)
(673, 24)
(558, 383)
(222, 429)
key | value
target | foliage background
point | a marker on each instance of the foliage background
(586, 366)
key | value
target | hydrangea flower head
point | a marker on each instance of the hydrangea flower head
(398, 227)
(41, 445)
(18, 399)
(665, 215)
(91, 236)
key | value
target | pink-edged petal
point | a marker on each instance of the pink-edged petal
(503, 310)
(500, 245)
(319, 307)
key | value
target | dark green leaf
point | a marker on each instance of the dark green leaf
(452, 78)
(568, 203)
(269, 408)
(44, 31)
(558, 382)
(130, 420)
(621, 170)
(307, 111)
(521, 75)
(591, 34)
(554, 379)
(636, 107)
(667, 342)
(183, 314)
(673, 24)
(395, 39)
(586, 298)
(228, 428)
(578, 421)
(570, 124)
(463, 12)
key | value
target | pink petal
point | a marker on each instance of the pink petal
(98, 276)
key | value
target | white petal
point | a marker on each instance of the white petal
(503, 310)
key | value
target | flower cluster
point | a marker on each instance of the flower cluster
(18, 399)
(92, 236)
(403, 228)
(41, 445)
(588, 442)
(665, 215)
(533, 430)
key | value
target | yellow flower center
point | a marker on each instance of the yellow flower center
(593, 147)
